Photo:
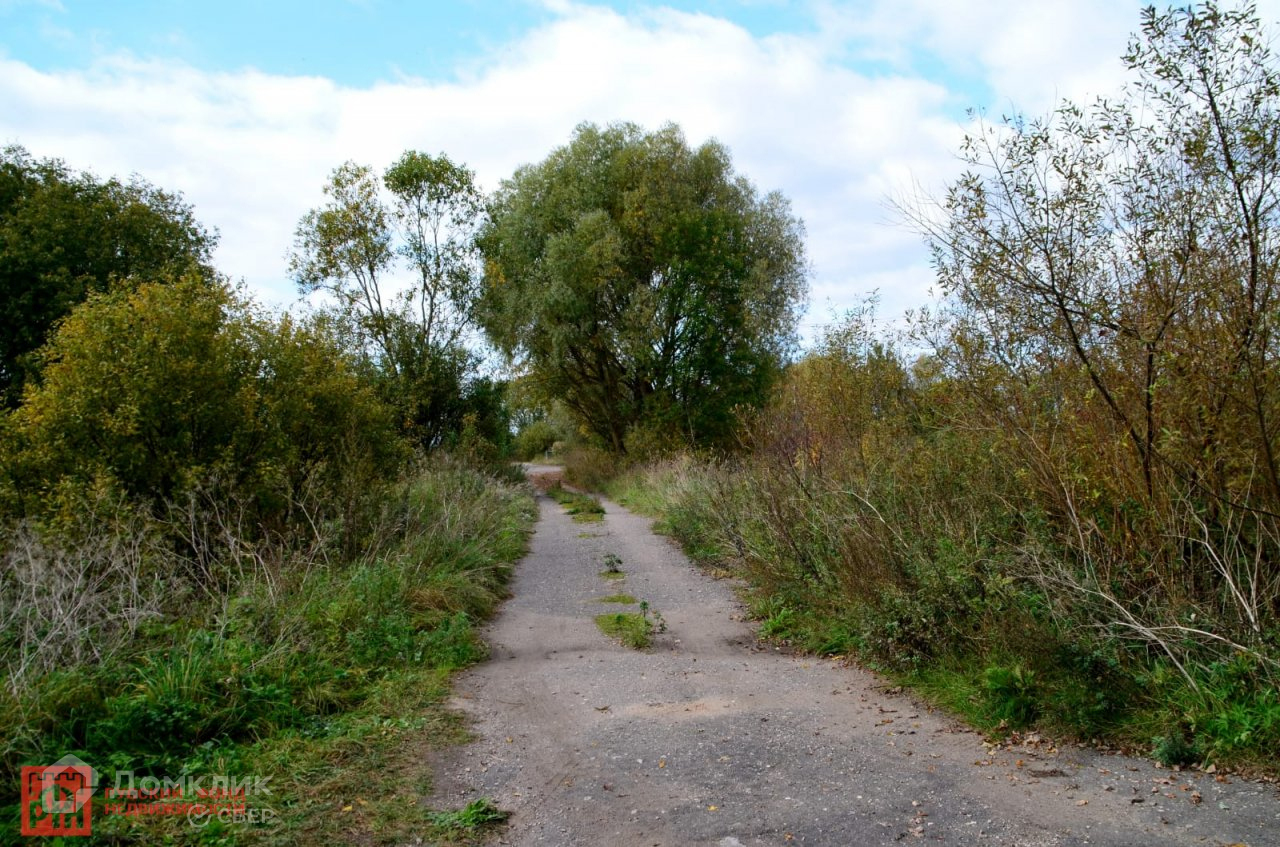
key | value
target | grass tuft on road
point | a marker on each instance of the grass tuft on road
(476, 816)
(583, 507)
(632, 629)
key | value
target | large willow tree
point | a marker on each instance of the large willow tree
(643, 282)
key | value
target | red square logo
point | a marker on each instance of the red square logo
(57, 798)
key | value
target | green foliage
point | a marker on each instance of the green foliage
(1108, 318)
(64, 236)
(632, 629)
(623, 599)
(344, 247)
(177, 392)
(414, 342)
(1175, 751)
(302, 656)
(583, 507)
(590, 468)
(939, 611)
(643, 283)
(535, 439)
(477, 815)
(780, 624)
(1011, 694)
(437, 207)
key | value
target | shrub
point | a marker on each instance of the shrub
(179, 391)
(535, 439)
(590, 468)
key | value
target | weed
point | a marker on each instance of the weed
(612, 567)
(317, 678)
(1011, 695)
(658, 623)
(590, 467)
(1174, 750)
(780, 624)
(624, 599)
(633, 629)
(477, 815)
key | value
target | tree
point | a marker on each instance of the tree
(65, 235)
(1134, 245)
(643, 282)
(344, 249)
(437, 208)
(1113, 277)
(352, 248)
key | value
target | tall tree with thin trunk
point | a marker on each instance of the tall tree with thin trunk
(418, 219)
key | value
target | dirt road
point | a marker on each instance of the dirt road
(709, 738)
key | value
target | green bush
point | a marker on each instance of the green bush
(535, 439)
(64, 235)
(168, 390)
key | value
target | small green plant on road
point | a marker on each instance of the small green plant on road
(624, 599)
(633, 629)
(612, 567)
(477, 815)
(657, 623)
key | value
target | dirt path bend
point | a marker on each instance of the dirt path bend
(709, 739)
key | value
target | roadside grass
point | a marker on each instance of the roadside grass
(583, 507)
(948, 615)
(623, 599)
(328, 680)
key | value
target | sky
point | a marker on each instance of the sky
(246, 106)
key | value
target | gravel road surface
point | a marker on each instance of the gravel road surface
(712, 738)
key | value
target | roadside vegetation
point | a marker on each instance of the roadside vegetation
(242, 542)
(226, 549)
(1055, 502)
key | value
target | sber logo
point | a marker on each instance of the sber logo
(57, 798)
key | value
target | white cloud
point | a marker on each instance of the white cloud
(251, 150)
